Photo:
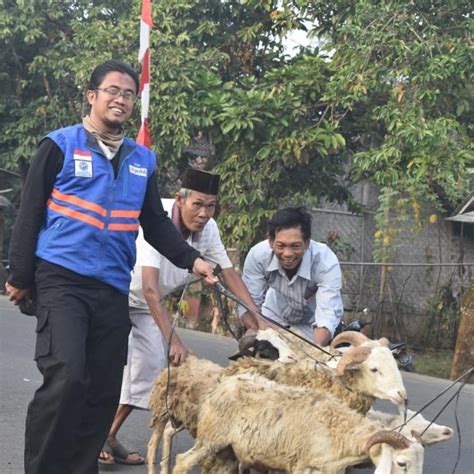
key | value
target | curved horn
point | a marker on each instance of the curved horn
(355, 355)
(383, 341)
(393, 438)
(247, 341)
(352, 337)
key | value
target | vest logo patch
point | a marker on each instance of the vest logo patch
(82, 163)
(83, 168)
(138, 171)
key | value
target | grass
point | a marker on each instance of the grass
(434, 362)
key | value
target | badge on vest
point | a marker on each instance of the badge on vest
(82, 163)
(138, 171)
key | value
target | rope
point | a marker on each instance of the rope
(168, 367)
(219, 288)
(225, 315)
(466, 376)
(468, 372)
(222, 290)
(458, 429)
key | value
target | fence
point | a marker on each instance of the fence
(415, 297)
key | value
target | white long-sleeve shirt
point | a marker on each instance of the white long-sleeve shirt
(208, 242)
(312, 296)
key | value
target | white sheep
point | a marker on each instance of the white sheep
(364, 372)
(434, 434)
(274, 426)
(178, 394)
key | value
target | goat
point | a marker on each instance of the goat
(273, 426)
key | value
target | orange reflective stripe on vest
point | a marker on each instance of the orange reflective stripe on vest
(90, 206)
(131, 214)
(80, 216)
(123, 227)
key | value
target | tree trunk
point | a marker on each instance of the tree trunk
(463, 358)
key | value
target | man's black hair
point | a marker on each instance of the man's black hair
(113, 65)
(288, 218)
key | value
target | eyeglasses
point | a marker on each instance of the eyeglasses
(115, 91)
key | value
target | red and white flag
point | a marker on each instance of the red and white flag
(146, 25)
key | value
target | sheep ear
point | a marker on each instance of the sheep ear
(243, 353)
(417, 436)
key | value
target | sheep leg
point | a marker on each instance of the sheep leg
(187, 460)
(168, 434)
(224, 462)
(153, 445)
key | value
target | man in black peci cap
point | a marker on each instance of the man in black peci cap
(153, 278)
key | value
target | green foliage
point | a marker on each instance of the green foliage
(393, 98)
(402, 74)
(222, 71)
(48, 49)
(435, 363)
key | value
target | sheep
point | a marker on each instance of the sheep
(434, 434)
(430, 433)
(363, 373)
(279, 427)
(369, 371)
(177, 394)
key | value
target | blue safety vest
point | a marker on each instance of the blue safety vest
(91, 219)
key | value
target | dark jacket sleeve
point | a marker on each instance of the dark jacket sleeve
(39, 183)
(160, 232)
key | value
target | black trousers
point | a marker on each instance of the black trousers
(81, 348)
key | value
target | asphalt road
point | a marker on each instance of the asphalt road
(19, 378)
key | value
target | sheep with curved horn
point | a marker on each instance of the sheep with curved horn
(363, 373)
(329, 437)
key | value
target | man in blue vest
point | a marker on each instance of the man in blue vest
(88, 190)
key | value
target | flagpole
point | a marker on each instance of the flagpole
(146, 24)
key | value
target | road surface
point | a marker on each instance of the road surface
(19, 378)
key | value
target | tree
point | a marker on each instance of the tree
(47, 49)
(392, 97)
(402, 81)
(463, 358)
(218, 68)
(222, 71)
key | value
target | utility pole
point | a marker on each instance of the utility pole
(463, 358)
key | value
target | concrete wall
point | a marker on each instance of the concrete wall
(409, 290)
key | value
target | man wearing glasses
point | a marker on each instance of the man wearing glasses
(88, 190)
(295, 280)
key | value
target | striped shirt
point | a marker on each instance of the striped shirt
(311, 297)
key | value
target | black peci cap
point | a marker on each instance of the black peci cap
(201, 181)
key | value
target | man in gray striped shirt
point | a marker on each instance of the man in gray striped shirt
(295, 280)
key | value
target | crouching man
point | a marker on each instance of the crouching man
(296, 280)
